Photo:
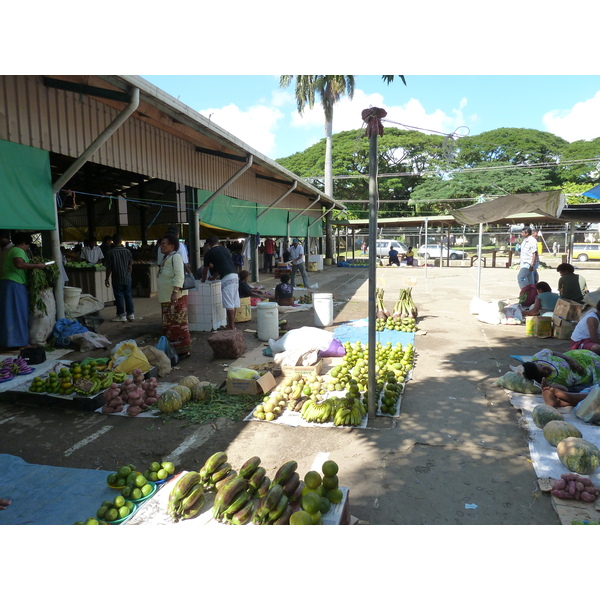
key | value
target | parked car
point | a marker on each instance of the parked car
(437, 251)
(585, 252)
(383, 247)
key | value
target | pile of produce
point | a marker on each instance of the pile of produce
(318, 494)
(110, 510)
(571, 486)
(404, 316)
(138, 393)
(186, 498)
(41, 280)
(13, 366)
(305, 299)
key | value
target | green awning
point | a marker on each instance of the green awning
(239, 215)
(26, 188)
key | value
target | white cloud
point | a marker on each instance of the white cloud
(347, 115)
(577, 123)
(254, 126)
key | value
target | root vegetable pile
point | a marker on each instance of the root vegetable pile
(137, 392)
(571, 486)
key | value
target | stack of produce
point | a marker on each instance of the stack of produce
(138, 393)
(318, 494)
(159, 471)
(136, 487)
(14, 366)
(404, 316)
(350, 409)
(119, 508)
(275, 507)
(187, 497)
(216, 471)
(571, 486)
(305, 299)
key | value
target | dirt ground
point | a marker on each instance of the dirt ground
(455, 455)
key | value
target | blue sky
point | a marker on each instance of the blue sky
(264, 116)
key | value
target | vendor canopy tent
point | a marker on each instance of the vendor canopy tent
(593, 193)
(25, 188)
(230, 213)
(549, 204)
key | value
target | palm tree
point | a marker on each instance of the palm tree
(330, 88)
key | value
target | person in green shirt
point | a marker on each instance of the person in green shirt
(14, 296)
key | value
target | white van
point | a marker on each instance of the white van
(383, 247)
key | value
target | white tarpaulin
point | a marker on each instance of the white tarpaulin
(549, 204)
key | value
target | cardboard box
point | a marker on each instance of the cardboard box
(568, 309)
(563, 328)
(252, 387)
(309, 370)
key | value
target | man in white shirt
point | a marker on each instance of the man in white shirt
(91, 253)
(529, 254)
(297, 260)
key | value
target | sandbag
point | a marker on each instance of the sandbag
(157, 358)
(517, 383)
(588, 409)
(227, 343)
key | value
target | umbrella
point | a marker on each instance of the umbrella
(593, 193)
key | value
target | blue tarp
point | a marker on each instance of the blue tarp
(355, 331)
(593, 193)
(44, 495)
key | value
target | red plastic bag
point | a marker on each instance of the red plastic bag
(528, 294)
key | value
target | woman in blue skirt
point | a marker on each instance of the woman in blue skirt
(14, 297)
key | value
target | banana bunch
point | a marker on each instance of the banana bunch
(105, 379)
(216, 472)
(274, 508)
(187, 497)
(318, 411)
(233, 503)
(349, 413)
(87, 387)
(119, 377)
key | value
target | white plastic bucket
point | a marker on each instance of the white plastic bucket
(267, 317)
(323, 305)
(72, 295)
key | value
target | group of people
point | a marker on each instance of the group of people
(394, 258)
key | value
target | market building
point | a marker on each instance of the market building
(85, 156)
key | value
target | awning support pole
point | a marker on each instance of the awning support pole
(68, 174)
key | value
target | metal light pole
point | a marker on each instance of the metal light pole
(372, 117)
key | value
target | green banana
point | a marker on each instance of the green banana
(259, 512)
(227, 494)
(230, 476)
(284, 472)
(249, 467)
(276, 512)
(237, 503)
(191, 498)
(257, 478)
(272, 497)
(262, 491)
(214, 462)
(291, 483)
(194, 510)
(284, 518)
(220, 473)
(244, 515)
(184, 484)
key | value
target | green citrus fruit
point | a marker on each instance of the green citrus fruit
(311, 503)
(126, 492)
(153, 476)
(330, 468)
(136, 493)
(124, 471)
(120, 482)
(129, 504)
(112, 479)
(316, 518)
(301, 517)
(92, 521)
(101, 512)
(130, 480)
(312, 479)
(154, 467)
(140, 481)
(169, 467)
(112, 514)
(325, 505)
(107, 503)
(118, 501)
(123, 512)
(321, 490)
(335, 496)
(162, 474)
(146, 489)
(330, 483)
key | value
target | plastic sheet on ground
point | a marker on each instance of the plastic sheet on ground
(294, 419)
(543, 455)
(20, 380)
(44, 495)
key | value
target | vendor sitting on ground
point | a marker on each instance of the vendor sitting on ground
(570, 285)
(545, 301)
(246, 290)
(575, 369)
(393, 256)
(284, 292)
